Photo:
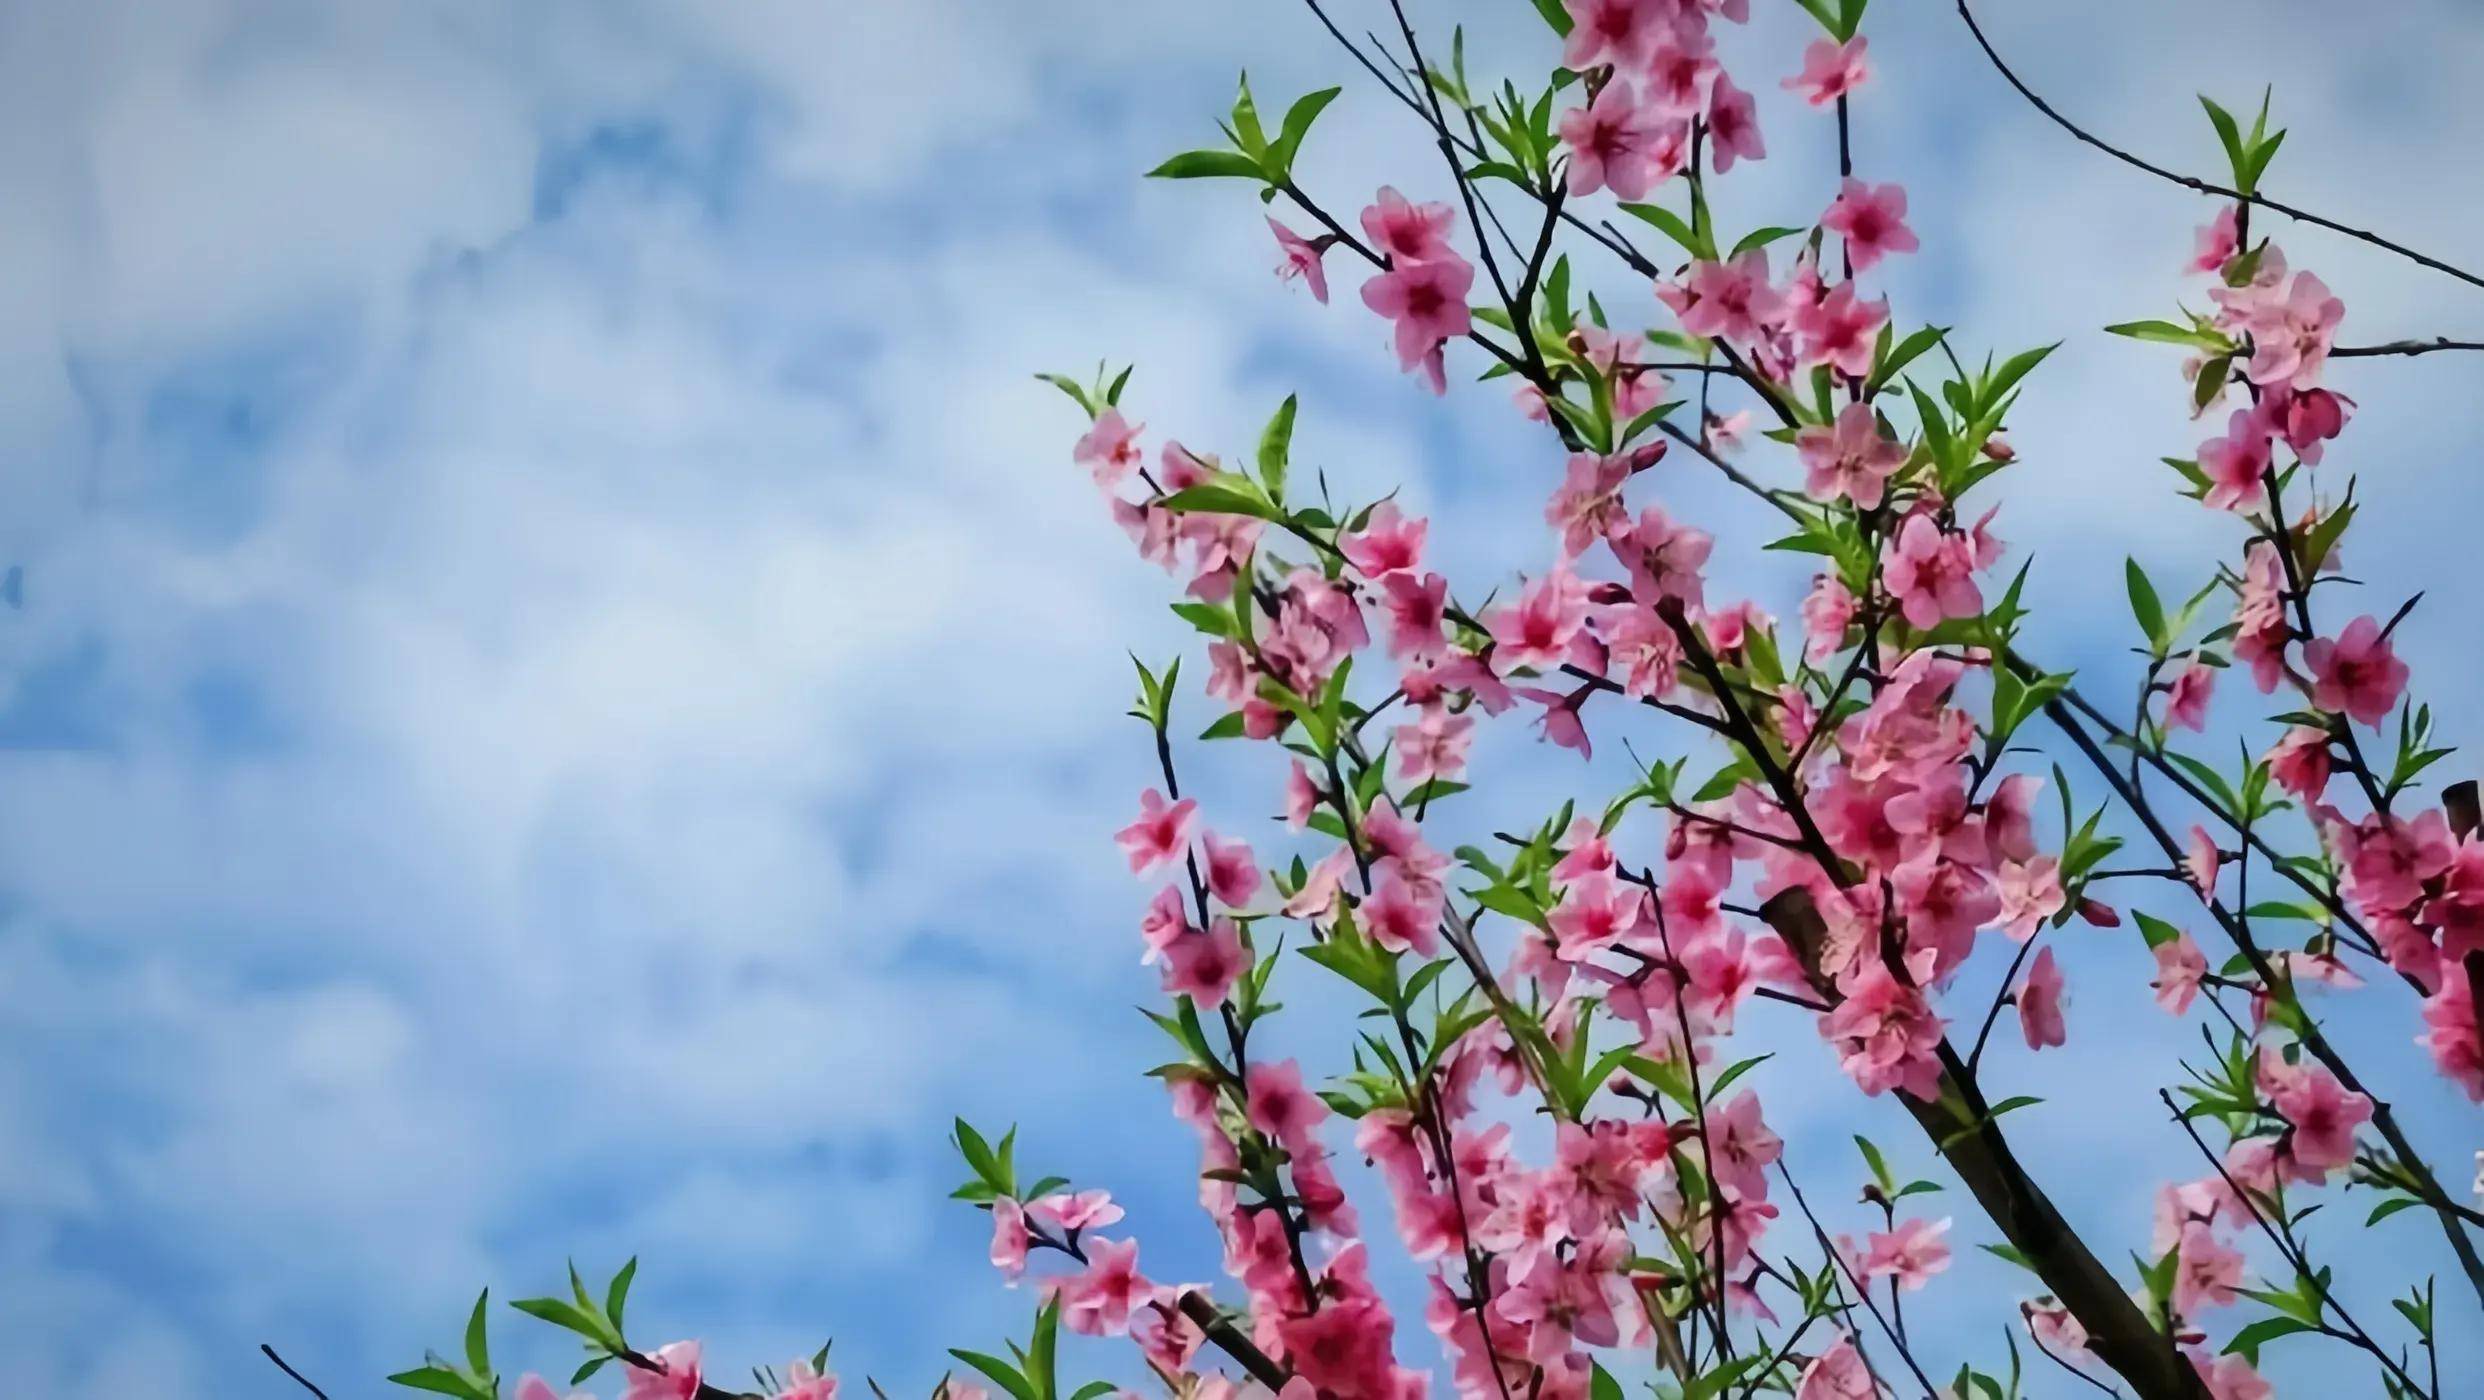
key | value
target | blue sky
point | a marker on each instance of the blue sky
(567, 699)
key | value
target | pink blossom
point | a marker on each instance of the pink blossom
(1729, 301)
(1681, 69)
(1163, 922)
(1911, 1254)
(1434, 746)
(1851, 461)
(1110, 449)
(534, 1387)
(1664, 558)
(2236, 463)
(1830, 71)
(1739, 1144)
(1618, 32)
(1842, 331)
(1302, 796)
(2039, 1003)
(1596, 913)
(2219, 240)
(2359, 674)
(1202, 964)
(1733, 126)
(1839, 1373)
(1160, 835)
(2451, 1035)
(2231, 1377)
(1587, 506)
(1009, 1238)
(2179, 967)
(1097, 1303)
(1931, 574)
(1405, 231)
(1403, 914)
(1281, 1107)
(1302, 259)
(1613, 143)
(2200, 862)
(2009, 817)
(1562, 723)
(1232, 871)
(2324, 1115)
(1390, 542)
(1827, 611)
(675, 1376)
(1872, 220)
(1885, 1036)
(2207, 1274)
(1536, 631)
(2290, 335)
(2186, 701)
(1426, 300)
(2055, 1328)
(1725, 432)
(2308, 419)
(1416, 609)
(1082, 1210)
(2030, 893)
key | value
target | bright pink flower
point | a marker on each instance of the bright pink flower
(2179, 967)
(2186, 701)
(1562, 723)
(1416, 609)
(2207, 1274)
(1536, 631)
(1202, 964)
(1618, 32)
(2236, 464)
(534, 1387)
(1842, 331)
(2219, 240)
(1596, 913)
(1163, 922)
(1872, 220)
(1426, 300)
(1097, 1303)
(1851, 461)
(2299, 761)
(1110, 449)
(1281, 1107)
(1885, 1036)
(1664, 558)
(1434, 746)
(1403, 915)
(2009, 817)
(2055, 1328)
(1302, 796)
(2451, 1035)
(1390, 542)
(2309, 419)
(1839, 1373)
(1912, 1253)
(1931, 574)
(1408, 232)
(1009, 1238)
(1613, 143)
(2290, 336)
(1730, 301)
(1082, 1210)
(1830, 71)
(2231, 1377)
(1733, 126)
(1740, 1146)
(2359, 674)
(1302, 259)
(2200, 862)
(2039, 1003)
(1232, 871)
(1587, 505)
(1725, 432)
(675, 1377)
(2325, 1115)
(1827, 611)
(2030, 893)
(1160, 835)
(1681, 69)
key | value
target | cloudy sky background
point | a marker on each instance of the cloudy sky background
(566, 701)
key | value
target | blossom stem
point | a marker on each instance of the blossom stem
(2192, 182)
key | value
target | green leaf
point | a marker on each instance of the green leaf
(2230, 137)
(1298, 119)
(1604, 1387)
(478, 1348)
(1071, 387)
(2144, 605)
(439, 1380)
(2156, 931)
(1001, 1373)
(560, 1312)
(1208, 165)
(2248, 1341)
(1227, 495)
(1761, 238)
(617, 1295)
(1276, 449)
(2167, 333)
(1905, 353)
(1672, 226)
(1555, 16)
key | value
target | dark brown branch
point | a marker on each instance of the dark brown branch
(298, 1378)
(2193, 182)
(1198, 1309)
(2402, 347)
